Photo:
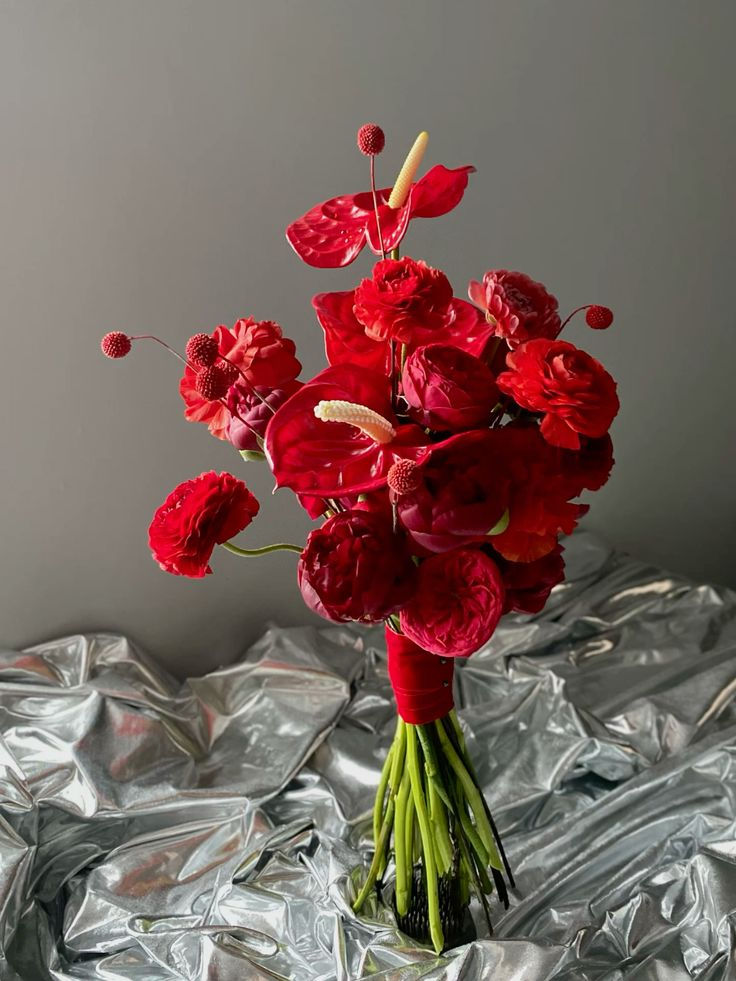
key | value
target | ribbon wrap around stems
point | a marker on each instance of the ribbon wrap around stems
(422, 682)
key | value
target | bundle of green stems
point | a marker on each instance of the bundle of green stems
(429, 809)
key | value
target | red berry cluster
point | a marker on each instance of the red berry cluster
(371, 139)
(116, 344)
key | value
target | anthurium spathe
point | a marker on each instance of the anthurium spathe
(333, 233)
(332, 458)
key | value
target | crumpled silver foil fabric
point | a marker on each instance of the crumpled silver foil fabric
(216, 829)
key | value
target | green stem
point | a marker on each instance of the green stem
(474, 798)
(247, 552)
(380, 795)
(431, 762)
(498, 852)
(381, 846)
(430, 871)
(441, 836)
(400, 851)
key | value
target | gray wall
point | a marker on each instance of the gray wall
(152, 154)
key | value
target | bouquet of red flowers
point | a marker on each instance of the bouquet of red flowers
(442, 452)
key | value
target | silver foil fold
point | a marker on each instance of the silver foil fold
(152, 830)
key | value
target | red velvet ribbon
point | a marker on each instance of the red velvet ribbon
(422, 682)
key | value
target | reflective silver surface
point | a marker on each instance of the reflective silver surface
(151, 830)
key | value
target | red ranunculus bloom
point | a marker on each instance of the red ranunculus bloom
(457, 603)
(528, 584)
(355, 568)
(572, 389)
(262, 353)
(402, 297)
(462, 495)
(335, 459)
(333, 233)
(518, 308)
(346, 341)
(250, 415)
(448, 389)
(196, 516)
(539, 495)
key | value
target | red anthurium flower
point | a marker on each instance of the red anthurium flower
(333, 233)
(346, 341)
(334, 459)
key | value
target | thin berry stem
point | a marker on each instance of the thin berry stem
(375, 205)
(248, 382)
(570, 316)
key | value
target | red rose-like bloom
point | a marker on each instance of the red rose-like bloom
(402, 296)
(528, 584)
(263, 354)
(196, 516)
(518, 308)
(355, 568)
(572, 389)
(447, 388)
(457, 603)
(462, 495)
(252, 414)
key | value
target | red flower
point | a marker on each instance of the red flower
(447, 388)
(457, 603)
(346, 341)
(262, 353)
(572, 389)
(401, 298)
(334, 233)
(250, 415)
(517, 307)
(528, 584)
(462, 495)
(335, 459)
(355, 568)
(196, 516)
(539, 495)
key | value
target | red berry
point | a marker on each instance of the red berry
(230, 372)
(598, 317)
(403, 477)
(116, 344)
(212, 383)
(202, 350)
(371, 139)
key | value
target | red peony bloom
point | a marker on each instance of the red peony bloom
(462, 495)
(457, 603)
(518, 308)
(196, 516)
(572, 389)
(346, 341)
(355, 568)
(250, 415)
(402, 298)
(334, 233)
(260, 351)
(538, 494)
(528, 584)
(335, 459)
(448, 389)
